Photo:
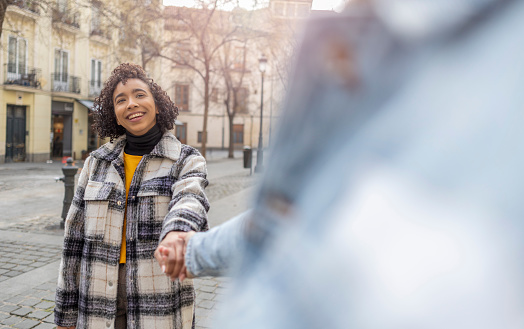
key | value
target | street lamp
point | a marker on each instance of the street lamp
(262, 62)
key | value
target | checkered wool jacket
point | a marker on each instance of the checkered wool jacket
(166, 194)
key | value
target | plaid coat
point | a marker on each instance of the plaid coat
(166, 194)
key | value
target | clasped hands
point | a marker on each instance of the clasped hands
(170, 255)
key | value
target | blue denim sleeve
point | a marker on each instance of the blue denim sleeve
(213, 253)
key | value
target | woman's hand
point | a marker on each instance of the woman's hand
(59, 327)
(170, 255)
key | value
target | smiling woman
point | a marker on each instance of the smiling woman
(142, 188)
(106, 122)
(135, 108)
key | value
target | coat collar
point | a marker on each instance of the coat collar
(168, 147)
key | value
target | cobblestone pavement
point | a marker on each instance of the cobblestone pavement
(218, 189)
(33, 308)
(18, 257)
(20, 262)
(30, 309)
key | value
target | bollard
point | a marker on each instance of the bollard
(69, 171)
(248, 156)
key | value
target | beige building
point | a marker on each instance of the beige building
(269, 32)
(56, 55)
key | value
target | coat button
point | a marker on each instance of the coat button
(133, 197)
(119, 203)
(108, 324)
(110, 283)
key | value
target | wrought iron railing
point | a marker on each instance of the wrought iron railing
(16, 74)
(30, 5)
(67, 17)
(65, 83)
(94, 88)
(102, 32)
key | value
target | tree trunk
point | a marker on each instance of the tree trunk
(231, 142)
(3, 9)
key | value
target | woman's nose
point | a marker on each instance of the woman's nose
(131, 103)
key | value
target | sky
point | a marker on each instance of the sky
(317, 4)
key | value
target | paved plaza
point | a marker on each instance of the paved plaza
(31, 238)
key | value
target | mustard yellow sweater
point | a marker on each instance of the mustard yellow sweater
(130, 164)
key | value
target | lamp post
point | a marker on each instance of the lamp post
(262, 62)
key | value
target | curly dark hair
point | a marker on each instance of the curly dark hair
(104, 115)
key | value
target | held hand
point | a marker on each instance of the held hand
(170, 254)
(59, 327)
(185, 273)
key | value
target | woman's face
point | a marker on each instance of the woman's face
(135, 107)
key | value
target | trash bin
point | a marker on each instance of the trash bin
(248, 156)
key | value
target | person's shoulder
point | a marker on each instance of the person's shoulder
(189, 151)
(110, 150)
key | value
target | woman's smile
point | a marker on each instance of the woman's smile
(135, 107)
(135, 116)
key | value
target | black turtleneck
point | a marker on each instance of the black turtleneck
(140, 145)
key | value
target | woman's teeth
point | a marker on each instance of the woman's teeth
(136, 115)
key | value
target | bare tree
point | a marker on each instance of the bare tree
(137, 24)
(199, 34)
(233, 71)
(281, 44)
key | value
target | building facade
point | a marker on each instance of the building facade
(56, 55)
(270, 32)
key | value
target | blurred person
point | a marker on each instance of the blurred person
(142, 187)
(392, 197)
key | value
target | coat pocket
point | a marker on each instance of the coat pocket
(96, 198)
(153, 207)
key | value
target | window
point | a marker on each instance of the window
(174, 24)
(238, 134)
(200, 137)
(62, 6)
(17, 58)
(95, 84)
(242, 100)
(61, 64)
(238, 59)
(61, 70)
(182, 54)
(182, 96)
(181, 132)
(214, 95)
(95, 20)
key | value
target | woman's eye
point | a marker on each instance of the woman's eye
(119, 101)
(140, 95)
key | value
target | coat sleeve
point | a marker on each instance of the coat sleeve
(67, 291)
(189, 205)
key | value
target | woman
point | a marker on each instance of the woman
(135, 191)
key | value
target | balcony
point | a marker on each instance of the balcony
(99, 32)
(22, 76)
(30, 5)
(95, 88)
(66, 17)
(65, 83)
